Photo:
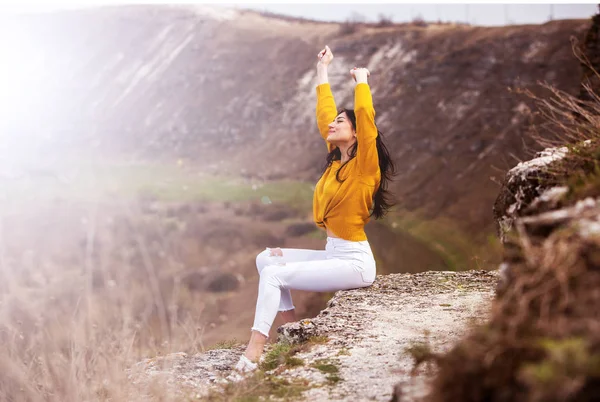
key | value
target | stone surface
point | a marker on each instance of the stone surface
(367, 330)
(582, 218)
(298, 332)
(523, 185)
(548, 200)
(188, 374)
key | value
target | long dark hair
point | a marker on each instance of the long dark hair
(382, 199)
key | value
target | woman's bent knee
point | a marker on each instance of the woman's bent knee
(269, 257)
(269, 270)
(262, 260)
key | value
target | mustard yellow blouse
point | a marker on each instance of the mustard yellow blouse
(344, 208)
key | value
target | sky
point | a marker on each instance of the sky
(476, 14)
(487, 14)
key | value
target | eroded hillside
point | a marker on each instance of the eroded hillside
(234, 91)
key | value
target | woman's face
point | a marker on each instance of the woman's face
(341, 131)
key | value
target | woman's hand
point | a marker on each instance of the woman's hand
(325, 56)
(360, 75)
(275, 252)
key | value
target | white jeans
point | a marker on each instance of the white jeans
(343, 264)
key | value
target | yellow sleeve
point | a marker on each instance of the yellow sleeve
(367, 158)
(326, 111)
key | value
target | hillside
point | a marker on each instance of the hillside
(233, 91)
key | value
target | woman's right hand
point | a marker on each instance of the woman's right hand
(325, 56)
(360, 74)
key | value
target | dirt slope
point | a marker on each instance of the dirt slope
(234, 91)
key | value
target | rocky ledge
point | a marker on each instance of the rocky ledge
(528, 188)
(356, 349)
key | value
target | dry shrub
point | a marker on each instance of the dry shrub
(352, 24)
(348, 28)
(420, 22)
(542, 342)
(385, 21)
(567, 120)
(58, 350)
(279, 212)
(300, 229)
(564, 120)
(223, 282)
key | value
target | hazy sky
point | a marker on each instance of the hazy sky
(479, 14)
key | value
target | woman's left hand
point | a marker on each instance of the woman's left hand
(360, 75)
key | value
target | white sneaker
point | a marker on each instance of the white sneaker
(243, 367)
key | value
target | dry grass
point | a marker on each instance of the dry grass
(571, 122)
(541, 342)
(90, 288)
(70, 332)
(258, 387)
(567, 120)
(88, 291)
(81, 358)
(564, 119)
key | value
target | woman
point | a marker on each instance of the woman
(353, 188)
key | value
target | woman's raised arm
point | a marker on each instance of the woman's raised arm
(326, 109)
(366, 132)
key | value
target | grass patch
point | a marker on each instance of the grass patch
(276, 356)
(259, 387)
(333, 379)
(344, 352)
(459, 250)
(153, 181)
(318, 340)
(294, 362)
(282, 354)
(329, 367)
(227, 344)
(326, 366)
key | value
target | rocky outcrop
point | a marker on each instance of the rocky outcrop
(534, 192)
(363, 334)
(528, 187)
(184, 374)
(544, 317)
(546, 309)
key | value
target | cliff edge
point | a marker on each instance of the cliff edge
(356, 349)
